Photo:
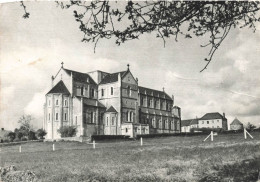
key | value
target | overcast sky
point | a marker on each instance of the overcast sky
(31, 51)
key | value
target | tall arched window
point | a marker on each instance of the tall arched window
(132, 116)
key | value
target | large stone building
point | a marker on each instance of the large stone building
(103, 103)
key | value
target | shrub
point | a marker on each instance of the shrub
(40, 133)
(23, 139)
(109, 137)
(31, 135)
(67, 131)
(16, 140)
(11, 136)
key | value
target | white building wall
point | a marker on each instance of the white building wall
(211, 123)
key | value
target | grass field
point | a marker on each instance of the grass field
(228, 158)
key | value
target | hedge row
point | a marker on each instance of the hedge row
(171, 134)
(109, 137)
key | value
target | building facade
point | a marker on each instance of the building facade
(103, 103)
(213, 120)
(236, 125)
(187, 125)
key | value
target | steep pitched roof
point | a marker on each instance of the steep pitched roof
(155, 93)
(214, 115)
(111, 109)
(113, 77)
(91, 102)
(59, 88)
(80, 77)
(185, 122)
(236, 122)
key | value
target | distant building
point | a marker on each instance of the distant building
(236, 125)
(103, 103)
(187, 125)
(3, 134)
(213, 120)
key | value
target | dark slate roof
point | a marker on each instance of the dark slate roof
(236, 122)
(111, 109)
(113, 77)
(186, 122)
(155, 93)
(189, 122)
(80, 77)
(92, 102)
(194, 121)
(214, 115)
(59, 88)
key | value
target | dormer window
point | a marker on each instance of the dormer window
(112, 91)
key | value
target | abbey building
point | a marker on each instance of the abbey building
(100, 103)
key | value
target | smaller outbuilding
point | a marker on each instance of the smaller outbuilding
(236, 125)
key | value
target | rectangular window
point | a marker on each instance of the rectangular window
(113, 120)
(142, 101)
(65, 116)
(76, 120)
(49, 102)
(92, 92)
(49, 116)
(57, 116)
(112, 90)
(207, 122)
(212, 121)
(57, 102)
(102, 92)
(65, 102)
(107, 121)
(202, 122)
(82, 90)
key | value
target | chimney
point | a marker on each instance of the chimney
(163, 89)
(224, 115)
(2, 129)
(52, 79)
(137, 80)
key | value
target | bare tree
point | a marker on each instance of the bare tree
(128, 20)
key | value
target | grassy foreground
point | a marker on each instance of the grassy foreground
(228, 158)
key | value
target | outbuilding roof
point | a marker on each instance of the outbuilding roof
(59, 88)
(236, 122)
(214, 115)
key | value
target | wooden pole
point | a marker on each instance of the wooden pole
(211, 136)
(249, 134)
(53, 147)
(206, 137)
(245, 133)
(94, 144)
(141, 141)
(20, 148)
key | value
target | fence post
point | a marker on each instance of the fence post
(20, 148)
(212, 136)
(53, 147)
(94, 144)
(141, 141)
(245, 133)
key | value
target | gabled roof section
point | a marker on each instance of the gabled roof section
(59, 88)
(214, 115)
(155, 93)
(113, 77)
(236, 122)
(80, 77)
(111, 109)
(185, 122)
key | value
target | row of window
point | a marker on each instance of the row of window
(83, 91)
(207, 122)
(163, 124)
(103, 91)
(65, 118)
(65, 102)
(155, 104)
